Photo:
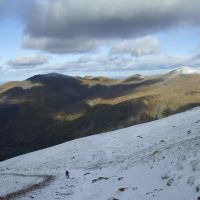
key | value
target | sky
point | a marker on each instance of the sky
(112, 38)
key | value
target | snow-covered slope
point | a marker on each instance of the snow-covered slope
(156, 160)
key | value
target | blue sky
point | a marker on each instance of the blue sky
(10, 38)
(72, 39)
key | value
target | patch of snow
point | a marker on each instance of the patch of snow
(12, 183)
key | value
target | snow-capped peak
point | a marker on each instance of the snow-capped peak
(183, 70)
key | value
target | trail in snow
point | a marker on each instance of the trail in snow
(28, 183)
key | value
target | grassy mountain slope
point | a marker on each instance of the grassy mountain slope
(49, 109)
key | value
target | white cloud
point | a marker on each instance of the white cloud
(105, 65)
(85, 59)
(138, 47)
(26, 61)
(113, 63)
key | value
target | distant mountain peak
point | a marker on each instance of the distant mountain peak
(183, 70)
(50, 76)
(136, 77)
(54, 74)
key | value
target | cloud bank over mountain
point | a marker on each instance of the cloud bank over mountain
(75, 22)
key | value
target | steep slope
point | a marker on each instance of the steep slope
(156, 160)
(46, 110)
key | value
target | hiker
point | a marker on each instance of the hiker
(67, 174)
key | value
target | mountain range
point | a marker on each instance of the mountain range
(49, 109)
